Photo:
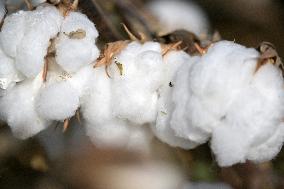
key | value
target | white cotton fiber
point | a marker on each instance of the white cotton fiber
(177, 14)
(96, 103)
(8, 73)
(222, 96)
(41, 26)
(77, 20)
(182, 116)
(135, 89)
(18, 110)
(81, 80)
(12, 32)
(260, 118)
(103, 126)
(173, 61)
(73, 52)
(57, 101)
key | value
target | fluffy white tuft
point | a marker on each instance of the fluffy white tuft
(174, 15)
(18, 109)
(57, 101)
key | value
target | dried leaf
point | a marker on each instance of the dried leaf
(78, 34)
(188, 39)
(164, 113)
(50, 53)
(65, 6)
(65, 125)
(29, 4)
(130, 34)
(45, 69)
(119, 66)
(78, 116)
(268, 55)
(110, 50)
(166, 48)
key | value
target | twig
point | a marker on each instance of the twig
(65, 125)
(29, 4)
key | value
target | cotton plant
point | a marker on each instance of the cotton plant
(229, 99)
(51, 70)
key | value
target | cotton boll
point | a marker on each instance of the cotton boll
(81, 80)
(174, 15)
(136, 106)
(76, 45)
(73, 54)
(212, 84)
(150, 63)
(230, 144)
(18, 110)
(181, 120)
(227, 98)
(75, 21)
(57, 101)
(265, 126)
(222, 61)
(151, 46)
(260, 118)
(12, 32)
(173, 61)
(136, 86)
(41, 25)
(96, 103)
(103, 129)
(270, 148)
(8, 73)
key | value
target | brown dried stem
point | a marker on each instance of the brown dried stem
(65, 125)
(109, 52)
(166, 48)
(268, 55)
(29, 4)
